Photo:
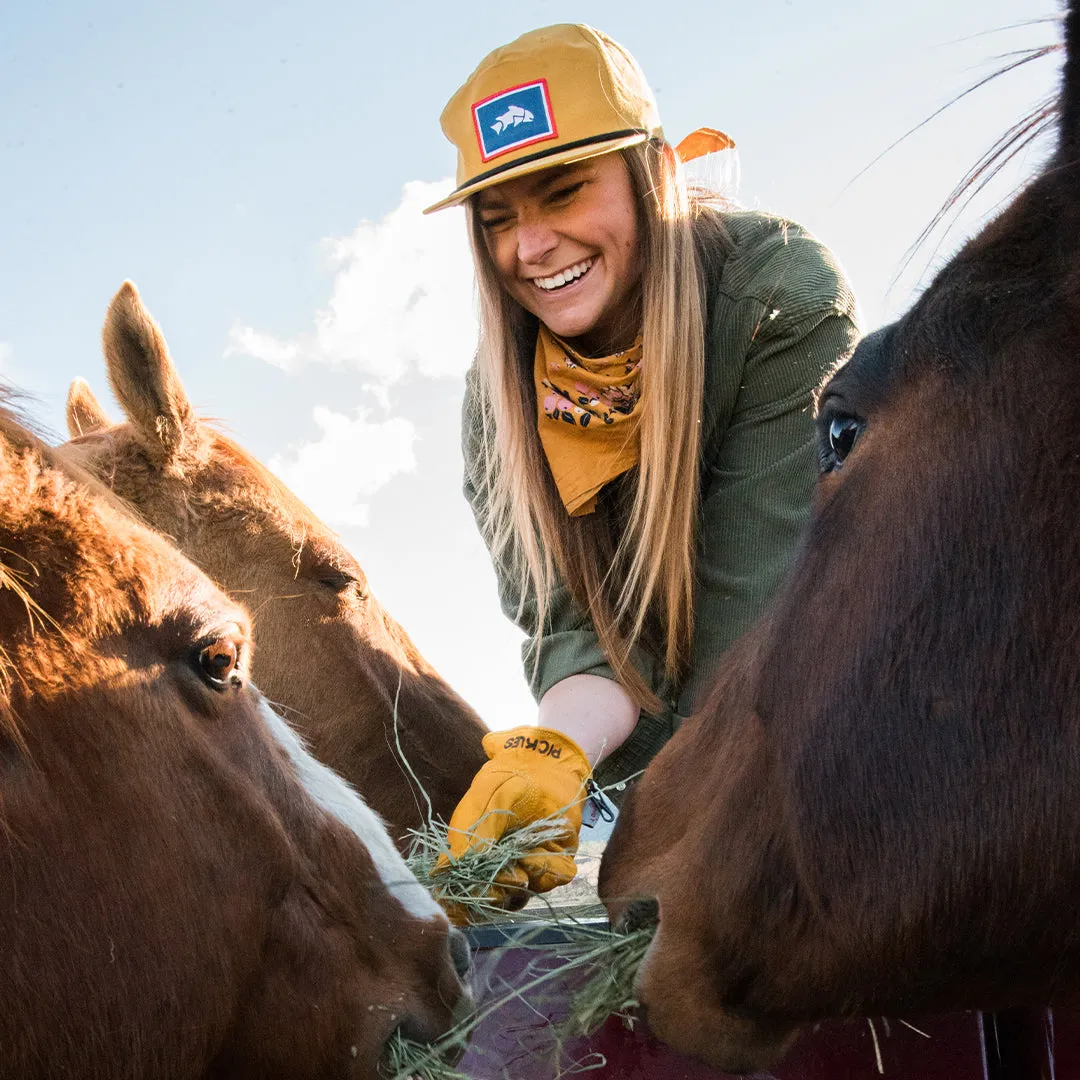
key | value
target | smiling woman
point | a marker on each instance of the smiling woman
(638, 422)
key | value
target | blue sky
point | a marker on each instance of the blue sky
(246, 165)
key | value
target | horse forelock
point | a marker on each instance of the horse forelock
(73, 558)
(16, 434)
(16, 425)
(1013, 282)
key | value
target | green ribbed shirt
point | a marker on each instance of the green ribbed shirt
(780, 315)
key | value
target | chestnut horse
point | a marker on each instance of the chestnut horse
(876, 809)
(184, 891)
(350, 680)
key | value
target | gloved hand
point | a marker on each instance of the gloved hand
(533, 773)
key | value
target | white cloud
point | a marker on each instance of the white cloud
(336, 474)
(247, 341)
(401, 301)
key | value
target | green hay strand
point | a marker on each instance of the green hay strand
(467, 879)
(603, 961)
(609, 991)
(405, 1059)
(586, 948)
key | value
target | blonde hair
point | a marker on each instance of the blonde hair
(630, 564)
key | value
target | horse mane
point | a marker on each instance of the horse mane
(1042, 119)
(16, 428)
(15, 423)
(235, 454)
(21, 433)
(21, 430)
(1026, 131)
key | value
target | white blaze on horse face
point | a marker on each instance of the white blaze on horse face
(335, 796)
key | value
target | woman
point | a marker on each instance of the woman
(638, 421)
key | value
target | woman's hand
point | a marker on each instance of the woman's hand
(536, 773)
(533, 774)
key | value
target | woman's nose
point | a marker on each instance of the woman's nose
(535, 242)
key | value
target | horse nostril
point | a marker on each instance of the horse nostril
(639, 915)
(460, 953)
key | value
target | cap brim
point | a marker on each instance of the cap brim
(536, 164)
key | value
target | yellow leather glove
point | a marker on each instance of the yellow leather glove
(533, 773)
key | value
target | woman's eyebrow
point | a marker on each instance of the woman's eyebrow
(556, 176)
(538, 186)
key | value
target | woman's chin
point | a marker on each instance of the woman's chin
(571, 316)
(569, 322)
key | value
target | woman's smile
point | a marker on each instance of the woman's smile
(564, 279)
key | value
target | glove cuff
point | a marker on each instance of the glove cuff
(546, 743)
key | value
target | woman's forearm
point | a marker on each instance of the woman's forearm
(597, 713)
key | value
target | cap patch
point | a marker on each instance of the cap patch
(513, 118)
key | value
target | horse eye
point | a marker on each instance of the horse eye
(843, 431)
(337, 580)
(218, 662)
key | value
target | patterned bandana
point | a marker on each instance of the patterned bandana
(585, 413)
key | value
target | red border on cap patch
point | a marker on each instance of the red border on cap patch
(553, 134)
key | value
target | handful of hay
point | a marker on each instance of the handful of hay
(467, 880)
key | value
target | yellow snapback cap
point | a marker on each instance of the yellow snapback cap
(555, 95)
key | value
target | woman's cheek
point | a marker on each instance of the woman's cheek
(502, 247)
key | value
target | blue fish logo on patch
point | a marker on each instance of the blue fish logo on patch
(514, 118)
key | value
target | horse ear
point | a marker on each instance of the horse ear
(144, 379)
(84, 411)
(1070, 93)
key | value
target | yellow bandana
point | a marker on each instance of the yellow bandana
(585, 413)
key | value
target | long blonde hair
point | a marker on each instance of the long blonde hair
(630, 564)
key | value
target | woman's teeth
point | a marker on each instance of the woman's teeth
(564, 277)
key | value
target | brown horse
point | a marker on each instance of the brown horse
(349, 678)
(876, 809)
(184, 891)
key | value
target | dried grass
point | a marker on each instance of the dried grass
(466, 880)
(608, 959)
(405, 1059)
(615, 958)
(568, 943)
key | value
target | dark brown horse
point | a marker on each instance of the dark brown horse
(348, 676)
(877, 809)
(184, 891)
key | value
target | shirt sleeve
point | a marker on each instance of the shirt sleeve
(797, 319)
